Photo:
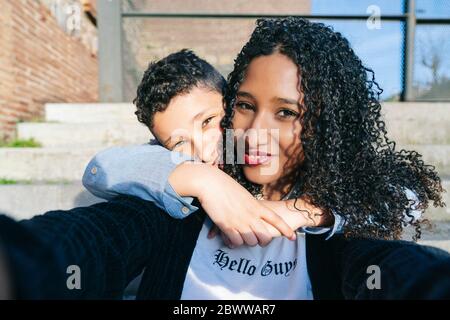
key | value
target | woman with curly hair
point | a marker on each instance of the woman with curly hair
(305, 80)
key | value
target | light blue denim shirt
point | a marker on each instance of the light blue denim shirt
(143, 171)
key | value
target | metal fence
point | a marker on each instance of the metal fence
(113, 69)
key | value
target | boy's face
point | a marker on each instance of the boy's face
(191, 124)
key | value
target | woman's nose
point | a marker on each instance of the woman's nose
(258, 133)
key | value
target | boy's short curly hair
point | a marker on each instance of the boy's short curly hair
(176, 74)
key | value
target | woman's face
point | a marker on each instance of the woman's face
(268, 105)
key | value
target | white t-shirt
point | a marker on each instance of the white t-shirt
(277, 271)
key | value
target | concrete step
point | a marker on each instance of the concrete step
(418, 122)
(55, 182)
(68, 164)
(434, 154)
(408, 113)
(441, 244)
(90, 112)
(44, 164)
(437, 236)
(108, 123)
(441, 213)
(407, 123)
(23, 201)
(84, 135)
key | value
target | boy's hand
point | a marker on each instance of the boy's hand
(302, 215)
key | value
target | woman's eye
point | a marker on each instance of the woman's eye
(207, 121)
(244, 106)
(286, 113)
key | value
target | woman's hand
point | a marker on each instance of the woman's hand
(296, 212)
(300, 213)
(242, 218)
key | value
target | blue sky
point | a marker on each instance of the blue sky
(381, 49)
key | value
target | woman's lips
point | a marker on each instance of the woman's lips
(257, 158)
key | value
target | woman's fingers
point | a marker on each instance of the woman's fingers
(261, 232)
(278, 223)
(249, 237)
(234, 237)
(213, 232)
(225, 239)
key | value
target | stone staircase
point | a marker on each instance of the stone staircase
(425, 128)
(48, 178)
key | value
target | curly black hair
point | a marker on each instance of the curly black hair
(349, 163)
(176, 74)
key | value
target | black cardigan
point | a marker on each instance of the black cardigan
(112, 242)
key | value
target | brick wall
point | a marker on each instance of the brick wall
(39, 63)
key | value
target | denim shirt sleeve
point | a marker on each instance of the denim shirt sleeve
(142, 171)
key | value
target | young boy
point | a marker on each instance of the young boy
(180, 101)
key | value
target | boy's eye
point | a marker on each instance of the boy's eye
(287, 113)
(207, 121)
(179, 143)
(244, 106)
